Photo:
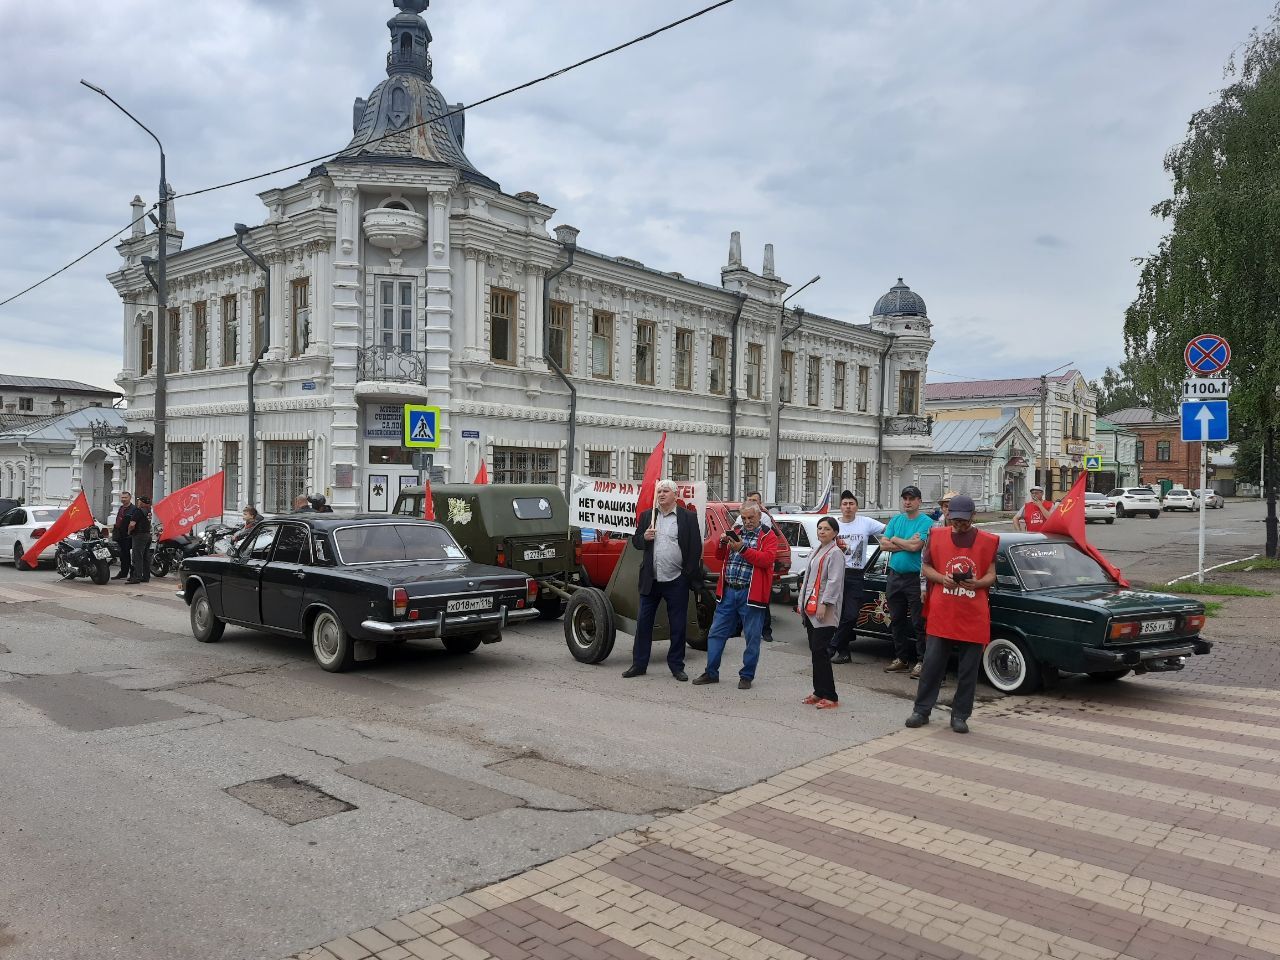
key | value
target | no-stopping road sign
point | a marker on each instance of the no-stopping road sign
(1207, 354)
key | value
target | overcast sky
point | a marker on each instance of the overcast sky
(1001, 155)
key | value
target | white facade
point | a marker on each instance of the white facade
(50, 461)
(400, 274)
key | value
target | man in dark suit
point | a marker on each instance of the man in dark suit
(672, 545)
(120, 534)
(140, 531)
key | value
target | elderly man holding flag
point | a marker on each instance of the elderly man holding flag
(672, 546)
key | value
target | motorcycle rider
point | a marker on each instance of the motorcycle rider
(120, 533)
(140, 532)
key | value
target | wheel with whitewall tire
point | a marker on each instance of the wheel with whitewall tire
(1010, 667)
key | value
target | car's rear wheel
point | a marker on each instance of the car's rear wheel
(705, 599)
(589, 627)
(1111, 519)
(1107, 676)
(1010, 667)
(205, 627)
(465, 644)
(1154, 514)
(330, 643)
(18, 562)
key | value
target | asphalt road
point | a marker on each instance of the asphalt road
(163, 798)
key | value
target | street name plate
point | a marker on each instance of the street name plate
(1206, 388)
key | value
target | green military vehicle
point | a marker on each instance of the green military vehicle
(522, 526)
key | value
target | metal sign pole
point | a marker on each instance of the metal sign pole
(1204, 482)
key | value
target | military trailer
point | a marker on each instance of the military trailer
(522, 526)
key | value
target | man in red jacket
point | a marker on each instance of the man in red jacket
(960, 565)
(746, 582)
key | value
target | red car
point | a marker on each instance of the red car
(600, 557)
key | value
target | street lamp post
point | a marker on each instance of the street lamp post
(251, 452)
(775, 406)
(1046, 474)
(162, 307)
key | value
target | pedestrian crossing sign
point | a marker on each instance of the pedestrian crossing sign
(1093, 464)
(421, 427)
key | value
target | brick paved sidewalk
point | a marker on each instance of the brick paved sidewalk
(1143, 822)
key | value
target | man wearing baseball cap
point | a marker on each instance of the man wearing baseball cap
(903, 539)
(1034, 513)
(960, 565)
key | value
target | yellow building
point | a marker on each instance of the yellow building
(1061, 409)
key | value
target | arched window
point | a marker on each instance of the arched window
(395, 205)
(399, 100)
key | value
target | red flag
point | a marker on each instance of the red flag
(1067, 518)
(185, 507)
(482, 475)
(428, 505)
(652, 473)
(77, 517)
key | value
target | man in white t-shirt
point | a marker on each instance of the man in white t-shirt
(855, 532)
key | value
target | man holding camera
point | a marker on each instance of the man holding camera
(960, 565)
(743, 591)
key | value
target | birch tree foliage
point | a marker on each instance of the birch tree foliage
(1217, 269)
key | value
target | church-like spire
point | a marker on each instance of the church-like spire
(410, 40)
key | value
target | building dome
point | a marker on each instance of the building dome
(395, 123)
(900, 301)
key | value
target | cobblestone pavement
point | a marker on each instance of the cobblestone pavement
(1137, 820)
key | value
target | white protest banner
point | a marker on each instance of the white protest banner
(611, 504)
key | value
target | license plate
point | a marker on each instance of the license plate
(1156, 626)
(547, 554)
(102, 553)
(468, 604)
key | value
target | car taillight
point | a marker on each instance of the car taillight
(399, 601)
(1195, 622)
(501, 558)
(530, 591)
(1125, 628)
(38, 532)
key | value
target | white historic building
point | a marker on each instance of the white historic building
(401, 274)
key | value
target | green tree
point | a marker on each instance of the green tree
(1217, 270)
(1115, 391)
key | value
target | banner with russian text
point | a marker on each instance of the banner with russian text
(611, 504)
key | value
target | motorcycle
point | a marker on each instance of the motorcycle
(170, 552)
(84, 554)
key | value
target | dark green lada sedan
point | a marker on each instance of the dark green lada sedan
(1054, 608)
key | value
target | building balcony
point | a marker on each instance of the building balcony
(394, 229)
(908, 434)
(390, 373)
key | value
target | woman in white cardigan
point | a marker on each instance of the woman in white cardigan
(821, 596)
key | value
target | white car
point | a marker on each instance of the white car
(1098, 506)
(1210, 498)
(801, 531)
(1131, 500)
(1180, 499)
(23, 526)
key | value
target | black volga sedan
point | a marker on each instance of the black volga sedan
(350, 583)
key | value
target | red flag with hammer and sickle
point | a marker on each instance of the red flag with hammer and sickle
(1067, 518)
(76, 518)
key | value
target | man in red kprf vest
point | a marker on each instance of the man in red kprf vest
(960, 565)
(1034, 513)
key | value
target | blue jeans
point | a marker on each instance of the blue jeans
(676, 595)
(734, 616)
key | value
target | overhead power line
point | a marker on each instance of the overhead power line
(64, 269)
(444, 116)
